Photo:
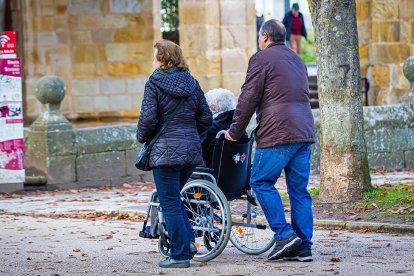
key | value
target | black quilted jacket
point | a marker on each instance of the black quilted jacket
(179, 144)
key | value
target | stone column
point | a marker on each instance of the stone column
(218, 37)
(50, 143)
(408, 70)
(200, 40)
(238, 41)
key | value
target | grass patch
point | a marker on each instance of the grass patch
(314, 192)
(390, 196)
(284, 196)
(308, 49)
(391, 201)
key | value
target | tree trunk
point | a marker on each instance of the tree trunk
(344, 164)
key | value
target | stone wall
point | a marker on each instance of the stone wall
(389, 134)
(386, 39)
(100, 48)
(96, 156)
(218, 38)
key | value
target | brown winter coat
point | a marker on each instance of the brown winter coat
(276, 87)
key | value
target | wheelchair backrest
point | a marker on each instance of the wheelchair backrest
(232, 166)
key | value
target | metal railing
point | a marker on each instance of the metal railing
(313, 91)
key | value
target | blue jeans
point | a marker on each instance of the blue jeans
(169, 182)
(267, 167)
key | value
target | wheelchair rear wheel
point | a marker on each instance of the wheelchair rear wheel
(250, 232)
(209, 215)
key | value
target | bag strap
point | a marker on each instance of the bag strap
(164, 126)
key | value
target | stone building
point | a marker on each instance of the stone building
(386, 36)
(102, 49)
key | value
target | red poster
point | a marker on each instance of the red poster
(8, 44)
(12, 154)
(10, 67)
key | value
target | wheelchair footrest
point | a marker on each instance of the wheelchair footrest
(147, 235)
(261, 226)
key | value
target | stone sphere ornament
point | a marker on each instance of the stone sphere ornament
(50, 90)
(408, 68)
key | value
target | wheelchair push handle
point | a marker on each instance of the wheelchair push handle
(221, 132)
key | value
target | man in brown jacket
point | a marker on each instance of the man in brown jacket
(276, 87)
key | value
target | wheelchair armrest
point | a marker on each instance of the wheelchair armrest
(204, 170)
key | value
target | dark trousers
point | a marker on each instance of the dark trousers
(169, 182)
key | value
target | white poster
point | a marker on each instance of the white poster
(11, 122)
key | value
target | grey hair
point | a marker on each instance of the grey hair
(220, 100)
(274, 29)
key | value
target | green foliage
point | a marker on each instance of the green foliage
(169, 15)
(170, 20)
(308, 49)
(284, 196)
(314, 192)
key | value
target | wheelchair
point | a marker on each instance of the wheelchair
(220, 205)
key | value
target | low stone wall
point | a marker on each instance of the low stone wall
(102, 155)
(389, 134)
(106, 154)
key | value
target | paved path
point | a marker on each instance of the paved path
(128, 196)
(44, 246)
(39, 236)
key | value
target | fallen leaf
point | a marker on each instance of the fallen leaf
(335, 260)
(76, 250)
(400, 271)
(361, 231)
(355, 217)
(332, 234)
(348, 212)
(401, 210)
(359, 208)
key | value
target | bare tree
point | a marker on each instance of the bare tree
(344, 164)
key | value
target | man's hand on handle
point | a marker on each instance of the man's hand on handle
(228, 137)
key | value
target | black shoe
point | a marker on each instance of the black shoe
(301, 255)
(284, 247)
(251, 200)
(193, 250)
(170, 263)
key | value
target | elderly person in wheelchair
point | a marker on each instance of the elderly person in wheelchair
(222, 103)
